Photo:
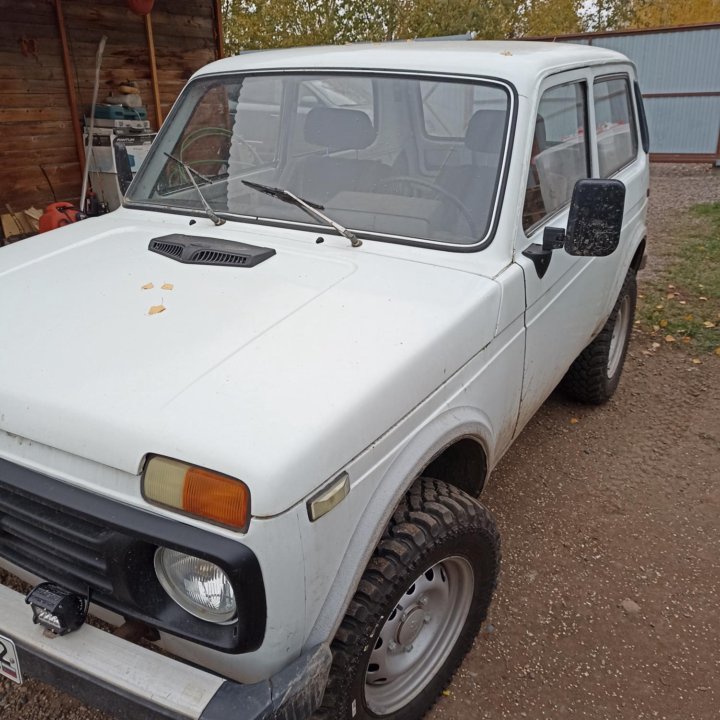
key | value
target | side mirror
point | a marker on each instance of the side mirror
(595, 220)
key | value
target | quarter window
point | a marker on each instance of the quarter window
(615, 125)
(559, 156)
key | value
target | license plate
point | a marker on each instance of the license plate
(9, 663)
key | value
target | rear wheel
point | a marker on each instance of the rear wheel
(417, 609)
(595, 374)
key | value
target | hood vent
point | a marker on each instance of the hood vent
(167, 248)
(195, 250)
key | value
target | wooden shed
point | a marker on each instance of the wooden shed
(47, 70)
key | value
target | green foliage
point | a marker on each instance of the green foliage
(258, 24)
(549, 17)
(684, 305)
(426, 18)
(658, 13)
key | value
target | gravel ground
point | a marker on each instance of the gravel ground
(607, 606)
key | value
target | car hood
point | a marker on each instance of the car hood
(277, 374)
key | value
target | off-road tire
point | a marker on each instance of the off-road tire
(435, 522)
(595, 374)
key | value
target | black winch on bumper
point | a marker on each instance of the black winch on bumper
(129, 681)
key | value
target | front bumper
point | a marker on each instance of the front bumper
(133, 682)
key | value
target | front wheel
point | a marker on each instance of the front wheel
(595, 374)
(418, 607)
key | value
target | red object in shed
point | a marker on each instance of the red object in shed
(56, 215)
(141, 7)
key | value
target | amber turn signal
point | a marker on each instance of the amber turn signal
(196, 491)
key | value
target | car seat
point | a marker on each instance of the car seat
(473, 183)
(320, 176)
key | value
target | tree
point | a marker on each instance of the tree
(548, 17)
(607, 15)
(489, 19)
(256, 24)
(658, 13)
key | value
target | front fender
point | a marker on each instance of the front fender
(417, 452)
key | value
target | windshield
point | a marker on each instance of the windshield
(389, 157)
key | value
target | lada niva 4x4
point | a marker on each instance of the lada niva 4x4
(246, 418)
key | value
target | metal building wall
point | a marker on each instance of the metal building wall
(679, 72)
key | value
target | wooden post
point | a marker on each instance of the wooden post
(153, 70)
(219, 33)
(72, 96)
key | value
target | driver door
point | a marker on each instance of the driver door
(562, 306)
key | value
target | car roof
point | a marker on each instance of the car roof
(522, 63)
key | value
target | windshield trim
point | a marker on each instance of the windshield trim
(498, 190)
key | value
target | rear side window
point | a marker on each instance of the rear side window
(617, 143)
(559, 156)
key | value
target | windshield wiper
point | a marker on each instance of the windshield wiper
(312, 209)
(190, 172)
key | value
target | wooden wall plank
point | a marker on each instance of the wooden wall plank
(35, 120)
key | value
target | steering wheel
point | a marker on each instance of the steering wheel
(434, 187)
(177, 174)
(206, 132)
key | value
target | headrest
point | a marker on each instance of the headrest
(485, 131)
(339, 129)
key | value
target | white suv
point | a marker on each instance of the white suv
(248, 415)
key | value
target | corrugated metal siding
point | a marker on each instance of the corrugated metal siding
(673, 63)
(670, 62)
(684, 125)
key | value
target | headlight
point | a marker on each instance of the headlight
(197, 585)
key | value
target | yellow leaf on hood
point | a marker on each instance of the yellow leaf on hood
(167, 286)
(155, 309)
(147, 286)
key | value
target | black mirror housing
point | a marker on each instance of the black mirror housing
(595, 220)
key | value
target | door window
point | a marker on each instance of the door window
(559, 156)
(615, 125)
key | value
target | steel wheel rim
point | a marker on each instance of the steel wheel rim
(418, 635)
(617, 341)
